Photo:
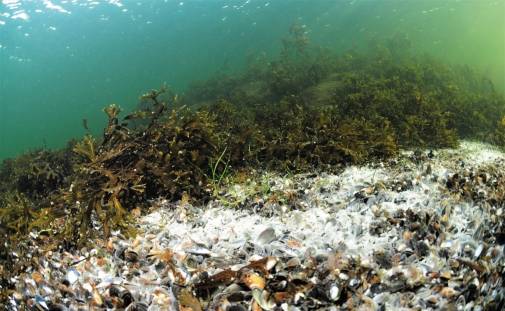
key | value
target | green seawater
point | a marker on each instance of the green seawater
(63, 61)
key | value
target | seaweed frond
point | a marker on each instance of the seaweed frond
(18, 213)
(86, 147)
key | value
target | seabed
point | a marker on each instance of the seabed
(418, 232)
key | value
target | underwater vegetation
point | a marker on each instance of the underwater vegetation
(309, 109)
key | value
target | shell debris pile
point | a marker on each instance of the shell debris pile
(416, 233)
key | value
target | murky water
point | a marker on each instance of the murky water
(63, 61)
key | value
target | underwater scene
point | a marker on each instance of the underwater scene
(252, 155)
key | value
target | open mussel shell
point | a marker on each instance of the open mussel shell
(127, 297)
(237, 243)
(335, 290)
(121, 296)
(198, 250)
(266, 236)
(45, 289)
(40, 303)
(271, 263)
(106, 282)
(191, 263)
(291, 241)
(253, 280)
(293, 262)
(162, 295)
(73, 275)
(480, 250)
(131, 256)
(264, 299)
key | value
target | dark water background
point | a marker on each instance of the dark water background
(62, 61)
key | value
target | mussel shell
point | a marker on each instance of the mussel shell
(291, 241)
(191, 263)
(353, 283)
(65, 282)
(57, 307)
(115, 291)
(40, 303)
(198, 250)
(423, 248)
(237, 243)
(407, 299)
(131, 256)
(383, 258)
(335, 290)
(266, 236)
(293, 262)
(460, 302)
(236, 307)
(480, 250)
(253, 280)
(45, 289)
(377, 288)
(72, 275)
(137, 306)
(127, 297)
(263, 299)
(119, 253)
